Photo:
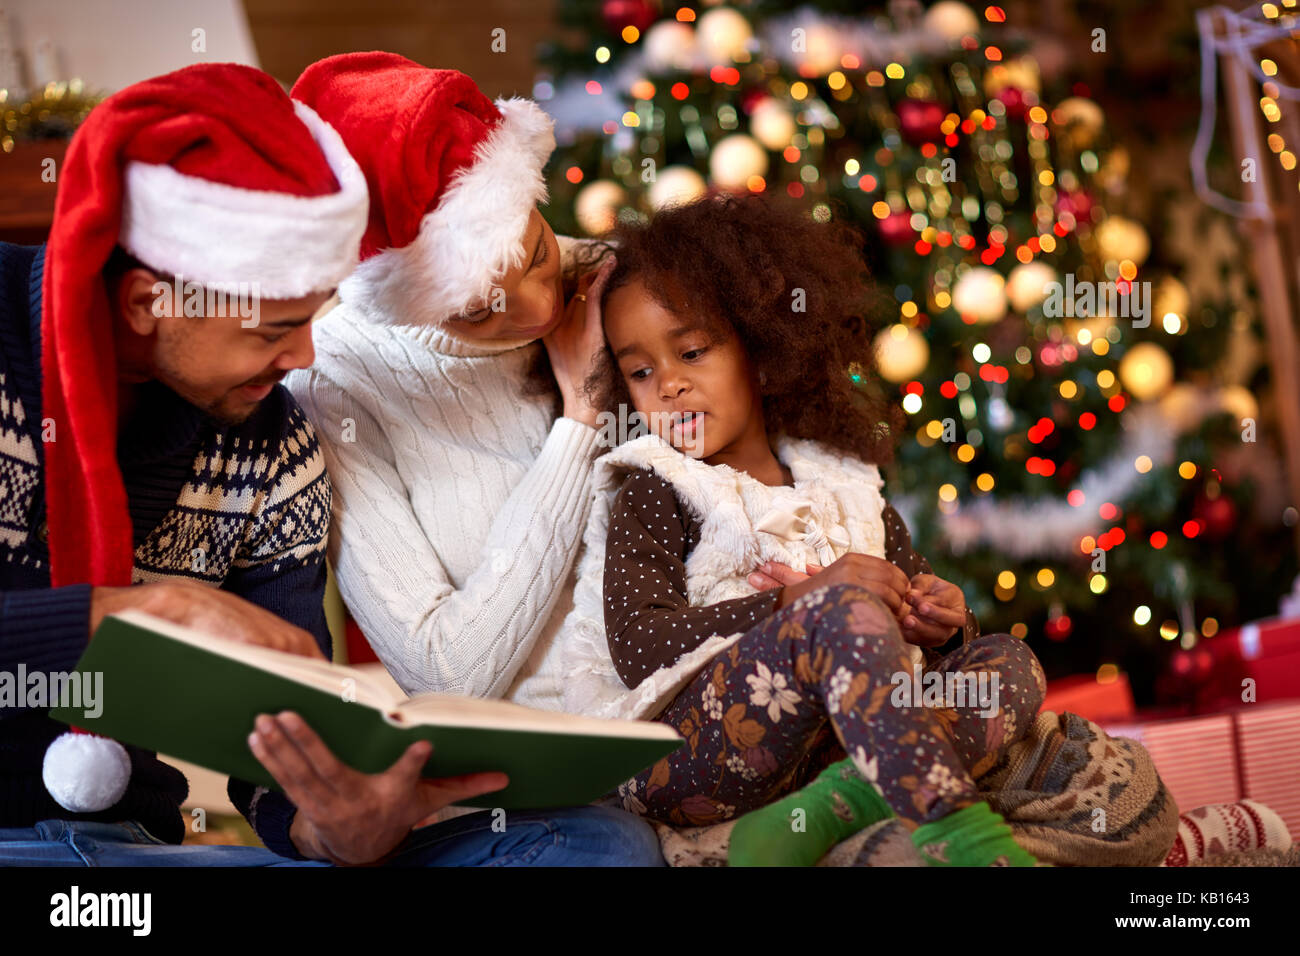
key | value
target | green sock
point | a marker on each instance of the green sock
(836, 805)
(972, 836)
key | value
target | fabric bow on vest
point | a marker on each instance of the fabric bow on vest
(793, 521)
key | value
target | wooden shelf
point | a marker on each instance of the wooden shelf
(27, 200)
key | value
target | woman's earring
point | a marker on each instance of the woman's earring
(762, 378)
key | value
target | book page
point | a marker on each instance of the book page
(313, 672)
(451, 710)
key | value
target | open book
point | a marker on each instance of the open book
(178, 691)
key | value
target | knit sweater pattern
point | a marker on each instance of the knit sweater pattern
(242, 507)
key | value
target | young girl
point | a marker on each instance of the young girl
(732, 326)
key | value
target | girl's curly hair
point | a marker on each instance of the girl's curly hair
(796, 293)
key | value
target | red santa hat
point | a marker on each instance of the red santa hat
(453, 179)
(210, 174)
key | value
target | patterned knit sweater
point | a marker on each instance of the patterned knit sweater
(243, 507)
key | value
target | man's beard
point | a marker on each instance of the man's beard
(217, 409)
(226, 409)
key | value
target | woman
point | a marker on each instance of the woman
(459, 494)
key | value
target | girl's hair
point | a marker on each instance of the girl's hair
(796, 293)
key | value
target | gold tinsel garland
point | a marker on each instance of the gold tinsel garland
(53, 112)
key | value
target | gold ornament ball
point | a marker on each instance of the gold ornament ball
(1020, 73)
(675, 185)
(951, 20)
(822, 51)
(734, 159)
(1239, 402)
(1120, 238)
(1097, 326)
(669, 45)
(1171, 296)
(981, 294)
(1027, 284)
(1146, 371)
(1080, 118)
(723, 34)
(901, 353)
(1182, 406)
(597, 204)
(772, 124)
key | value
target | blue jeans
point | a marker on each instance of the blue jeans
(582, 836)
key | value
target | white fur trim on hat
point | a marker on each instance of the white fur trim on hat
(223, 236)
(472, 237)
(85, 773)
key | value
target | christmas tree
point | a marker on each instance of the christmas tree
(1061, 457)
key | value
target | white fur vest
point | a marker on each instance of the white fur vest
(834, 507)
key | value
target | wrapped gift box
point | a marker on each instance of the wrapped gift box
(1084, 695)
(1267, 652)
(1252, 751)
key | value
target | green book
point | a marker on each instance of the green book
(181, 692)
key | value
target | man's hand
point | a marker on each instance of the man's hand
(215, 612)
(349, 817)
(939, 609)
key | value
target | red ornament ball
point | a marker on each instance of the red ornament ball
(1218, 516)
(1194, 667)
(1058, 628)
(896, 229)
(618, 14)
(1014, 100)
(1077, 203)
(920, 120)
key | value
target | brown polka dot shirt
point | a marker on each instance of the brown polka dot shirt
(648, 618)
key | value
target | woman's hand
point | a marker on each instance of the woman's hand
(873, 574)
(349, 817)
(574, 344)
(939, 609)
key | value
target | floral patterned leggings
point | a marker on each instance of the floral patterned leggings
(831, 675)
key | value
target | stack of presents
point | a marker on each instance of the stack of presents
(1233, 748)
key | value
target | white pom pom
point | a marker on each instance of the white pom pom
(85, 773)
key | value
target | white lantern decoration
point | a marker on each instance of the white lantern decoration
(597, 204)
(772, 124)
(723, 34)
(901, 353)
(1027, 285)
(669, 45)
(1146, 371)
(735, 159)
(675, 185)
(951, 20)
(980, 294)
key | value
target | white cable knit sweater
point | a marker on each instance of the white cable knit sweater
(459, 503)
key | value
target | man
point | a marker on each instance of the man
(150, 460)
